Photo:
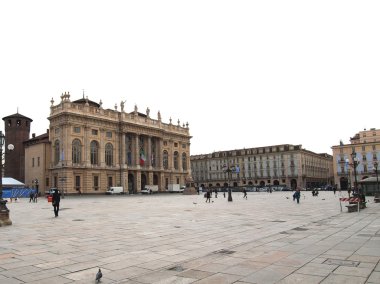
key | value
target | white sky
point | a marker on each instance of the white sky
(242, 73)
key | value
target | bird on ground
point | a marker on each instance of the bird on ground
(99, 275)
(194, 203)
(287, 197)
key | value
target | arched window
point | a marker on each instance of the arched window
(184, 161)
(165, 160)
(76, 151)
(175, 160)
(57, 152)
(94, 151)
(109, 154)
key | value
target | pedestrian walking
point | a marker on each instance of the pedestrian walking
(245, 193)
(31, 196)
(208, 196)
(297, 195)
(55, 201)
(334, 189)
(216, 193)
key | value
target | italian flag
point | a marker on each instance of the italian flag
(142, 157)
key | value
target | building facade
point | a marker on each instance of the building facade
(37, 161)
(366, 148)
(93, 148)
(280, 165)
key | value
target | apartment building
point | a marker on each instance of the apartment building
(285, 165)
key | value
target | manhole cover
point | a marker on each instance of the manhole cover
(178, 268)
(342, 262)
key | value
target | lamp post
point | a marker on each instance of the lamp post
(355, 162)
(229, 170)
(4, 211)
(375, 165)
(348, 176)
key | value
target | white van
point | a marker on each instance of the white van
(115, 190)
(149, 189)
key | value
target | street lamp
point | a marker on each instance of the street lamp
(348, 176)
(229, 170)
(375, 165)
(355, 162)
(4, 211)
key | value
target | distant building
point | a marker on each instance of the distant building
(366, 145)
(279, 165)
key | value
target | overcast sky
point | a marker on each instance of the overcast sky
(243, 74)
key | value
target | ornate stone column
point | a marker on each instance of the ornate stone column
(122, 150)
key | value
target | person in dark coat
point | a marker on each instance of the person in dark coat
(245, 193)
(297, 195)
(208, 195)
(55, 201)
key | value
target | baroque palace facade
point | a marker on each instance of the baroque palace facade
(280, 165)
(92, 149)
(366, 148)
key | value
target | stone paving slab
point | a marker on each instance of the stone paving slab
(174, 238)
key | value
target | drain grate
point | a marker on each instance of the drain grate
(278, 221)
(300, 229)
(365, 235)
(225, 251)
(342, 262)
(177, 268)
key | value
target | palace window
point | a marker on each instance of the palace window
(175, 160)
(94, 152)
(128, 145)
(56, 152)
(184, 161)
(165, 160)
(76, 151)
(96, 182)
(109, 154)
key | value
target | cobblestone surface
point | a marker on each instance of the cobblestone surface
(174, 238)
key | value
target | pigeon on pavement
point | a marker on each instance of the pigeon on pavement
(99, 275)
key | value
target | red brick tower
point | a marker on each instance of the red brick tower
(17, 130)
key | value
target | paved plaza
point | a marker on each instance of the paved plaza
(175, 238)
